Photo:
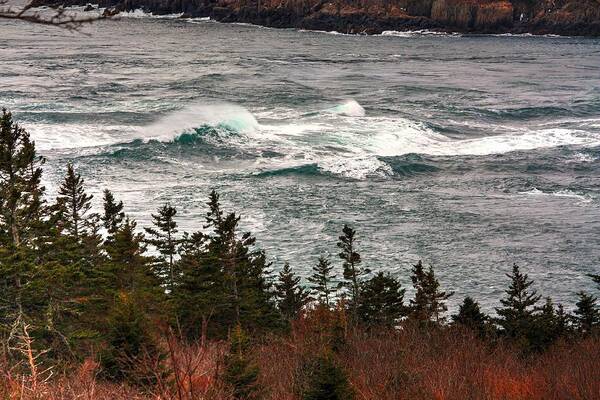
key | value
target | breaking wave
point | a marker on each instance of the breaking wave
(340, 140)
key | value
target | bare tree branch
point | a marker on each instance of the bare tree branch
(59, 17)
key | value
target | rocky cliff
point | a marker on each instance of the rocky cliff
(563, 17)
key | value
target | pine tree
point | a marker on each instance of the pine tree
(549, 323)
(327, 381)
(21, 192)
(73, 203)
(587, 314)
(322, 280)
(291, 296)
(517, 315)
(130, 347)
(240, 372)
(129, 267)
(470, 316)
(24, 229)
(353, 272)
(164, 238)
(201, 298)
(429, 301)
(113, 215)
(382, 300)
(248, 293)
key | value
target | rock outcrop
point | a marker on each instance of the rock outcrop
(562, 17)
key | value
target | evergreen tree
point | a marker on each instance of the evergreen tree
(549, 324)
(381, 301)
(291, 296)
(201, 299)
(470, 316)
(517, 315)
(130, 347)
(429, 301)
(327, 381)
(129, 268)
(353, 272)
(240, 372)
(163, 237)
(587, 315)
(113, 215)
(322, 281)
(24, 230)
(73, 204)
(248, 295)
(21, 192)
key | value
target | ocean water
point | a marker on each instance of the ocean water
(469, 152)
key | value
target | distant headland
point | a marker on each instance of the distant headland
(539, 17)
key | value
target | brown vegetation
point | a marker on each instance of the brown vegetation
(412, 363)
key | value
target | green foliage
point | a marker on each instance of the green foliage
(353, 272)
(163, 237)
(291, 296)
(131, 353)
(381, 301)
(21, 193)
(113, 215)
(322, 280)
(240, 372)
(327, 381)
(73, 204)
(470, 316)
(587, 314)
(222, 279)
(429, 301)
(517, 316)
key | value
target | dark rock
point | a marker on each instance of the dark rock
(562, 17)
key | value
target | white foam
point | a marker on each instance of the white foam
(186, 120)
(139, 13)
(418, 33)
(350, 108)
(560, 193)
(70, 136)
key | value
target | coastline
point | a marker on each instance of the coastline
(563, 18)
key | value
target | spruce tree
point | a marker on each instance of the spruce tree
(429, 301)
(587, 314)
(240, 372)
(322, 280)
(291, 296)
(24, 229)
(381, 302)
(248, 296)
(164, 238)
(73, 204)
(517, 315)
(21, 192)
(129, 267)
(201, 299)
(131, 349)
(353, 272)
(470, 316)
(113, 215)
(327, 381)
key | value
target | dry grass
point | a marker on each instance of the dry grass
(444, 364)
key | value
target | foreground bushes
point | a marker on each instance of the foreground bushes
(407, 364)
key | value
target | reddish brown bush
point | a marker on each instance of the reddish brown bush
(412, 363)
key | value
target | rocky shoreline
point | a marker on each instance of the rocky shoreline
(559, 17)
